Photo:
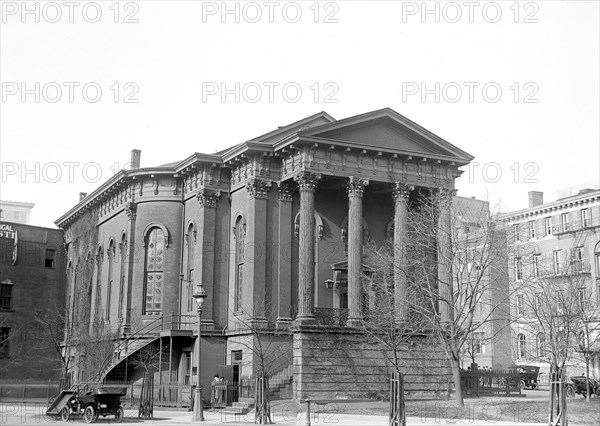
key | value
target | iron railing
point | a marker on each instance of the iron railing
(331, 316)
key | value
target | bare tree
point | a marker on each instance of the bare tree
(270, 349)
(79, 351)
(588, 340)
(13, 343)
(149, 357)
(382, 324)
(457, 271)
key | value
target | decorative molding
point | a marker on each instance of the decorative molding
(446, 194)
(356, 186)
(401, 191)
(285, 192)
(258, 188)
(208, 198)
(131, 210)
(307, 180)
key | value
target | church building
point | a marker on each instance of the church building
(274, 229)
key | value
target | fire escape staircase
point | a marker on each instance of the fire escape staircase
(114, 367)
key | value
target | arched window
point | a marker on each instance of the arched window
(110, 253)
(154, 272)
(122, 279)
(521, 345)
(240, 242)
(190, 242)
(98, 304)
(541, 345)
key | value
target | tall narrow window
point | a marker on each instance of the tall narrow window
(49, 261)
(111, 258)
(191, 248)
(519, 268)
(520, 305)
(585, 218)
(564, 220)
(579, 262)
(6, 289)
(531, 229)
(98, 307)
(548, 225)
(240, 239)
(541, 345)
(122, 279)
(557, 261)
(581, 298)
(521, 345)
(155, 254)
(536, 265)
(4, 342)
(517, 232)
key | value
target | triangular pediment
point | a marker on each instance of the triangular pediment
(282, 132)
(389, 131)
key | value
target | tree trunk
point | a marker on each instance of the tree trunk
(457, 383)
(587, 379)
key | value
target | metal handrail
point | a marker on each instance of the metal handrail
(148, 330)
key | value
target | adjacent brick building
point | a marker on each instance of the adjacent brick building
(32, 280)
(274, 229)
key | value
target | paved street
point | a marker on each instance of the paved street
(289, 412)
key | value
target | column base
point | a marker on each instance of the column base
(259, 322)
(305, 320)
(208, 324)
(355, 322)
(283, 323)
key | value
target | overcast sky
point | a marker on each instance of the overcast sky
(516, 85)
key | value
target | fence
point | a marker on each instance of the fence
(12, 392)
(490, 382)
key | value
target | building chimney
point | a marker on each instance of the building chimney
(82, 195)
(135, 159)
(536, 198)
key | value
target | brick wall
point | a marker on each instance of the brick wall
(346, 364)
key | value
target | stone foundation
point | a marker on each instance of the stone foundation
(344, 363)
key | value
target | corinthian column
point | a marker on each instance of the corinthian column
(355, 191)
(307, 183)
(400, 193)
(444, 253)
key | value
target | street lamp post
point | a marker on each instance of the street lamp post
(199, 296)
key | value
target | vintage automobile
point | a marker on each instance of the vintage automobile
(578, 387)
(94, 402)
(527, 377)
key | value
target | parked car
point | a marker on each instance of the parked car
(527, 376)
(578, 387)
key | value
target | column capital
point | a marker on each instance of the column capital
(258, 188)
(131, 210)
(356, 186)
(285, 192)
(446, 194)
(401, 191)
(208, 198)
(307, 180)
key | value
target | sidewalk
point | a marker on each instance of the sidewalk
(282, 413)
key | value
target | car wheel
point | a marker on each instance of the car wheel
(521, 385)
(119, 415)
(90, 414)
(65, 413)
(502, 382)
(570, 392)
